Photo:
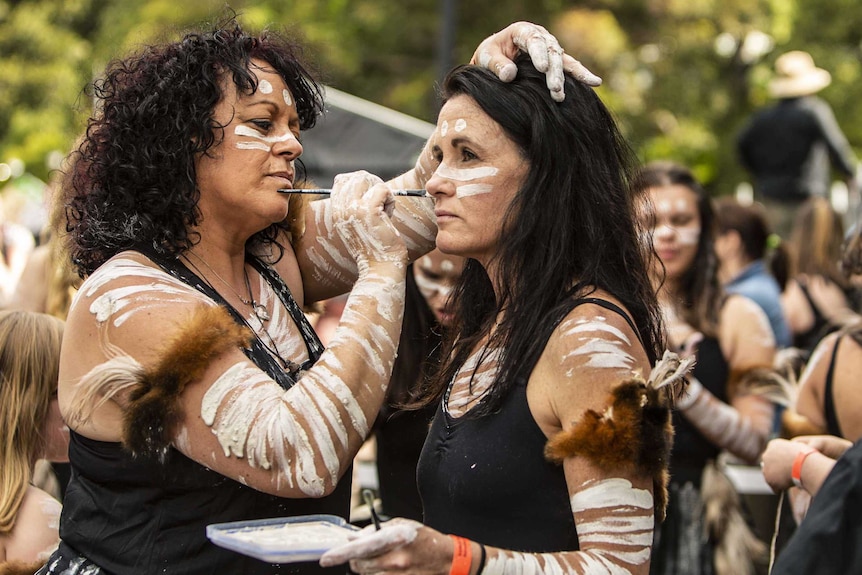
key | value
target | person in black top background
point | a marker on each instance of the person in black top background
(790, 147)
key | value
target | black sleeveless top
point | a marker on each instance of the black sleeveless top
(833, 427)
(821, 326)
(691, 449)
(487, 478)
(131, 516)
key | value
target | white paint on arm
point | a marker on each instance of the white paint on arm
(595, 343)
(724, 425)
(615, 525)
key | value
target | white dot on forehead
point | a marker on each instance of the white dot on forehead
(663, 206)
(460, 125)
(444, 127)
(265, 87)
(287, 99)
(447, 265)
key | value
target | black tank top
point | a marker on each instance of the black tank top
(132, 516)
(135, 516)
(691, 449)
(820, 328)
(487, 478)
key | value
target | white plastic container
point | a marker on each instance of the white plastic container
(285, 539)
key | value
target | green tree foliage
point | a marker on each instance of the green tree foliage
(681, 75)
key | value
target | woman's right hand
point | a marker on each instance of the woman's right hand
(361, 209)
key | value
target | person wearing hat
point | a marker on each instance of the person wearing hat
(789, 147)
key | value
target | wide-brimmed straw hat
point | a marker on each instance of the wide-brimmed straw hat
(796, 75)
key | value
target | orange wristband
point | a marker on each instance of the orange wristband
(463, 556)
(796, 470)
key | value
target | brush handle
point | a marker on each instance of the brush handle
(326, 192)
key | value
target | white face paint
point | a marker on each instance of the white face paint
(465, 176)
(460, 125)
(430, 288)
(263, 143)
(444, 128)
(265, 87)
(688, 236)
(287, 99)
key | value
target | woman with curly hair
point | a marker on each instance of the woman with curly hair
(195, 389)
(31, 428)
(724, 408)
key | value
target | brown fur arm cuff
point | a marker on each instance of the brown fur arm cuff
(794, 425)
(635, 432)
(154, 409)
(763, 381)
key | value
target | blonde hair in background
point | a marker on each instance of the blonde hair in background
(817, 240)
(29, 369)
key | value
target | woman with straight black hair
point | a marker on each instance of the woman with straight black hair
(547, 452)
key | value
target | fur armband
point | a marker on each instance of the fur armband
(154, 409)
(635, 432)
(763, 381)
(793, 425)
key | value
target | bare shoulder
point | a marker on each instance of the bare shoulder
(36, 532)
(745, 334)
(590, 352)
(119, 319)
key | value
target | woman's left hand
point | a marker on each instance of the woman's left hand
(497, 51)
(401, 545)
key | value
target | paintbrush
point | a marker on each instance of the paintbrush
(326, 192)
(368, 497)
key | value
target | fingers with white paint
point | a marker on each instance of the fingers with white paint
(497, 52)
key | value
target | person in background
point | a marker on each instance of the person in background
(741, 246)
(548, 446)
(16, 244)
(725, 407)
(816, 298)
(399, 433)
(195, 388)
(47, 285)
(31, 428)
(790, 147)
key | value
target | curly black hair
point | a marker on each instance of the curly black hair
(132, 182)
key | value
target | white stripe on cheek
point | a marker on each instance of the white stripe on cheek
(468, 175)
(688, 236)
(429, 288)
(264, 143)
(465, 175)
(473, 190)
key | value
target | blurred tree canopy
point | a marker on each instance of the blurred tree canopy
(681, 75)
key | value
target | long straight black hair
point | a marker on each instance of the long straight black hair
(569, 230)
